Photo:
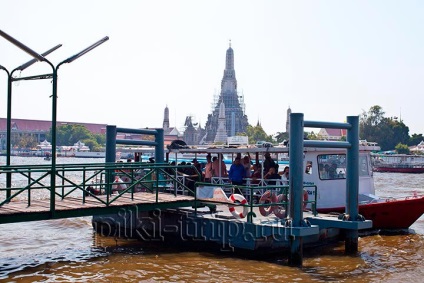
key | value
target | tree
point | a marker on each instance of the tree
(415, 139)
(26, 140)
(310, 136)
(257, 133)
(282, 136)
(71, 134)
(387, 132)
(100, 139)
(92, 144)
(402, 148)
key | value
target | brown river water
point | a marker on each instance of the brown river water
(68, 250)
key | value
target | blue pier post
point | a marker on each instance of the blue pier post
(352, 182)
(110, 155)
(160, 144)
(296, 185)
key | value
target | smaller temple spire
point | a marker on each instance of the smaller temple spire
(288, 120)
(165, 125)
(221, 133)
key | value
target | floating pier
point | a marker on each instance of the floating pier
(151, 199)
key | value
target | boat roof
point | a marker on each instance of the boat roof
(363, 146)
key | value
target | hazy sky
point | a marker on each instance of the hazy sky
(326, 59)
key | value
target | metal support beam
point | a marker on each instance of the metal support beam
(296, 185)
(352, 183)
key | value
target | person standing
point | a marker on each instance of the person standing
(219, 168)
(208, 169)
(237, 172)
(247, 165)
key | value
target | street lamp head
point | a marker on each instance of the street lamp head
(4, 69)
(22, 46)
(76, 56)
(29, 63)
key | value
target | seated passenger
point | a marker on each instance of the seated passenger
(332, 171)
(257, 174)
(285, 176)
(272, 175)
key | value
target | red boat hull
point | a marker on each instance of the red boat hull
(399, 169)
(390, 214)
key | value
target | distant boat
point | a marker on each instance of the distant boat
(90, 154)
(397, 163)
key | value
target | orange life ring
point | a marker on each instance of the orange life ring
(267, 197)
(237, 197)
(280, 210)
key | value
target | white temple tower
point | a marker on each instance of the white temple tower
(288, 120)
(166, 120)
(221, 132)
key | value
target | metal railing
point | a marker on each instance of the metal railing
(253, 192)
(29, 182)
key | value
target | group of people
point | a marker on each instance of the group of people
(243, 168)
(215, 167)
(327, 171)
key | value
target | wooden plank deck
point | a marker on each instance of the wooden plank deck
(19, 211)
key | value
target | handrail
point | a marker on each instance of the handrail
(249, 194)
(74, 180)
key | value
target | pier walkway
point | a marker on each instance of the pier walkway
(89, 189)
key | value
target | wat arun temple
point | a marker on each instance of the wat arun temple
(228, 116)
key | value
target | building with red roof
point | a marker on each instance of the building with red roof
(332, 134)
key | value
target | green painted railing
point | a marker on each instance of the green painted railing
(253, 194)
(80, 181)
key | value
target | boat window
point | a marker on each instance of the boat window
(363, 166)
(332, 166)
(308, 168)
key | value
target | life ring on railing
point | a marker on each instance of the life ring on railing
(267, 197)
(280, 210)
(237, 197)
(118, 184)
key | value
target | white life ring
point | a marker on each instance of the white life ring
(237, 197)
(118, 184)
(267, 197)
(280, 211)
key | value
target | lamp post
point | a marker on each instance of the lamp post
(54, 98)
(10, 79)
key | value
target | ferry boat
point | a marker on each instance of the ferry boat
(330, 195)
(397, 163)
(325, 168)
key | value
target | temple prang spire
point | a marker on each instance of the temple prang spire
(235, 118)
